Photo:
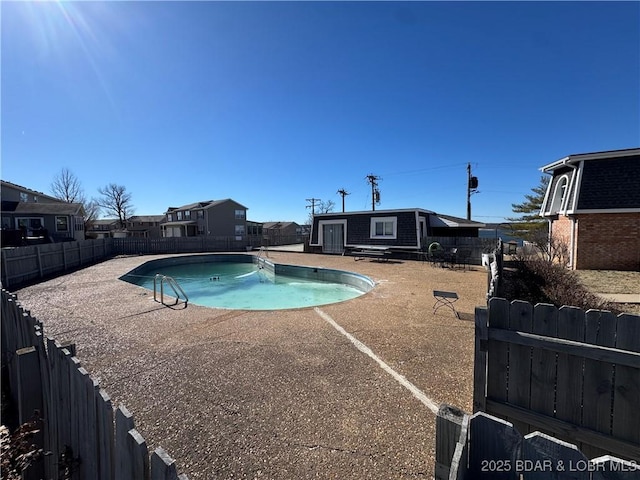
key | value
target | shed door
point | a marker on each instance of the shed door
(333, 238)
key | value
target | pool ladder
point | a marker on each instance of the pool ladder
(171, 282)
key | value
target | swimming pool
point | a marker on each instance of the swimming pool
(245, 282)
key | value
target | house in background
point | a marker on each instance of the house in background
(103, 228)
(282, 233)
(403, 229)
(145, 226)
(28, 215)
(592, 204)
(213, 218)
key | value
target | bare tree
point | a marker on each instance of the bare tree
(321, 207)
(67, 187)
(116, 201)
(91, 214)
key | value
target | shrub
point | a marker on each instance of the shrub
(539, 280)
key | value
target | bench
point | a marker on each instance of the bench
(360, 253)
(445, 299)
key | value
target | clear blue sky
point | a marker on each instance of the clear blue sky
(272, 103)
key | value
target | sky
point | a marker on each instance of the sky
(272, 104)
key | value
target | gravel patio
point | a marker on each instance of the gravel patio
(277, 394)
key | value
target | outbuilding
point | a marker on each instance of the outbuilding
(399, 230)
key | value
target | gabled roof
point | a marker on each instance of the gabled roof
(202, 205)
(277, 225)
(33, 208)
(4, 183)
(105, 221)
(146, 218)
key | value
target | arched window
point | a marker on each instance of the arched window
(560, 193)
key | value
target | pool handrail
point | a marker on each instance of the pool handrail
(177, 289)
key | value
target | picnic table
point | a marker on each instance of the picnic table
(360, 252)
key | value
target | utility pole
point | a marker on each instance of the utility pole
(343, 193)
(313, 204)
(472, 187)
(375, 192)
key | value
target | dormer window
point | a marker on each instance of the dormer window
(560, 194)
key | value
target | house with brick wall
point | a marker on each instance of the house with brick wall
(592, 204)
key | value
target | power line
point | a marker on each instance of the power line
(427, 169)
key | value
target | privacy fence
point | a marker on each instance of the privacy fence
(569, 374)
(28, 264)
(485, 447)
(82, 435)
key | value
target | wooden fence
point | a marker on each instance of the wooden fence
(22, 265)
(25, 264)
(200, 244)
(568, 373)
(485, 447)
(82, 434)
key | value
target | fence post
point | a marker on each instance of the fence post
(493, 438)
(448, 427)
(138, 464)
(480, 360)
(64, 257)
(163, 467)
(104, 413)
(30, 400)
(39, 259)
(124, 423)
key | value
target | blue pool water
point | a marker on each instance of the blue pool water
(247, 286)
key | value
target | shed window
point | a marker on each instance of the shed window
(384, 227)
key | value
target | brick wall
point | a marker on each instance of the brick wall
(607, 241)
(561, 233)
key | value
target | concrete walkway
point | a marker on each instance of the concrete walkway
(621, 297)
